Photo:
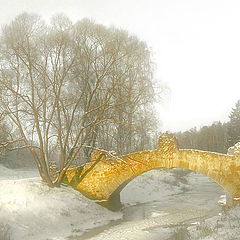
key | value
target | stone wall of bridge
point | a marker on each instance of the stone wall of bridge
(103, 178)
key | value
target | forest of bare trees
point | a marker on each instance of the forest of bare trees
(68, 86)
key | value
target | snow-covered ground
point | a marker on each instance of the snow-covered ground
(155, 185)
(224, 226)
(30, 210)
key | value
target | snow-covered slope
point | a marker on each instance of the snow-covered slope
(32, 210)
(155, 185)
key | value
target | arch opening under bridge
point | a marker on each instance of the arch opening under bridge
(141, 191)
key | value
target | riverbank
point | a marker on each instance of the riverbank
(157, 204)
(29, 209)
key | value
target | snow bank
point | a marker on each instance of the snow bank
(35, 211)
(155, 185)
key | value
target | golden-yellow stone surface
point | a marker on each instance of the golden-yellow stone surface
(109, 174)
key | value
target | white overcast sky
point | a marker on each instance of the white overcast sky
(195, 45)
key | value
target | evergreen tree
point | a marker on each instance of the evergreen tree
(234, 126)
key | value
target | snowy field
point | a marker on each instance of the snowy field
(30, 210)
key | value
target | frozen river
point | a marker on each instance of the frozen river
(166, 218)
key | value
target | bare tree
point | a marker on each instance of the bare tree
(61, 82)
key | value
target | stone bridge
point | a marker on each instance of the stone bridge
(103, 178)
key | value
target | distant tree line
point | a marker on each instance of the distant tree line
(207, 138)
(217, 137)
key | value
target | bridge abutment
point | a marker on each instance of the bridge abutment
(113, 203)
(232, 201)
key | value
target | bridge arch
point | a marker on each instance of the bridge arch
(115, 200)
(108, 176)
